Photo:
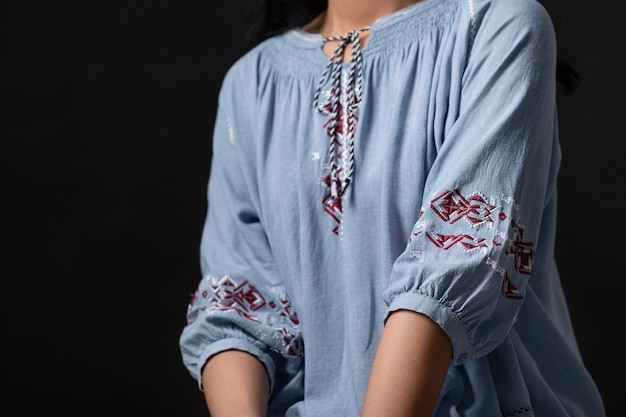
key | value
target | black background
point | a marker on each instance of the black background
(106, 130)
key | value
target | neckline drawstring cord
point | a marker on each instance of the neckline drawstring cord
(341, 125)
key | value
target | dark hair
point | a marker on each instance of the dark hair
(567, 76)
(272, 17)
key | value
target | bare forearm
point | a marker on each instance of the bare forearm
(235, 384)
(409, 368)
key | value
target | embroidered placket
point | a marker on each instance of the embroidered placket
(341, 125)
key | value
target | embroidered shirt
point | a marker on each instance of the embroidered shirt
(450, 212)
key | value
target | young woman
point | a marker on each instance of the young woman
(381, 224)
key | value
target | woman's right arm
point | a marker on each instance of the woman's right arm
(236, 384)
(242, 342)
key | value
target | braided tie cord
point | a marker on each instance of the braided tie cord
(341, 128)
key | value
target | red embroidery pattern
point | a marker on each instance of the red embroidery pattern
(243, 298)
(225, 295)
(447, 241)
(289, 341)
(521, 250)
(332, 206)
(341, 128)
(287, 312)
(509, 290)
(192, 301)
(417, 226)
(452, 206)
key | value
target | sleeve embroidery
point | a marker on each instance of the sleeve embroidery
(478, 210)
(226, 295)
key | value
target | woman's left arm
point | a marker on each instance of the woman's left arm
(455, 291)
(409, 368)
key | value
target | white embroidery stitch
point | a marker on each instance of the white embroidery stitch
(510, 200)
(500, 234)
(492, 263)
(472, 14)
(231, 133)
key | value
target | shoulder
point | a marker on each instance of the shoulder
(241, 73)
(248, 73)
(514, 14)
(512, 26)
(510, 7)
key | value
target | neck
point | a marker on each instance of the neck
(342, 16)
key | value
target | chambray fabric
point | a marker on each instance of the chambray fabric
(450, 213)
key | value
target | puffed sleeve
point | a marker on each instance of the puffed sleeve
(491, 189)
(240, 302)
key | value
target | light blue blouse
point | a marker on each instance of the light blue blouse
(449, 131)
